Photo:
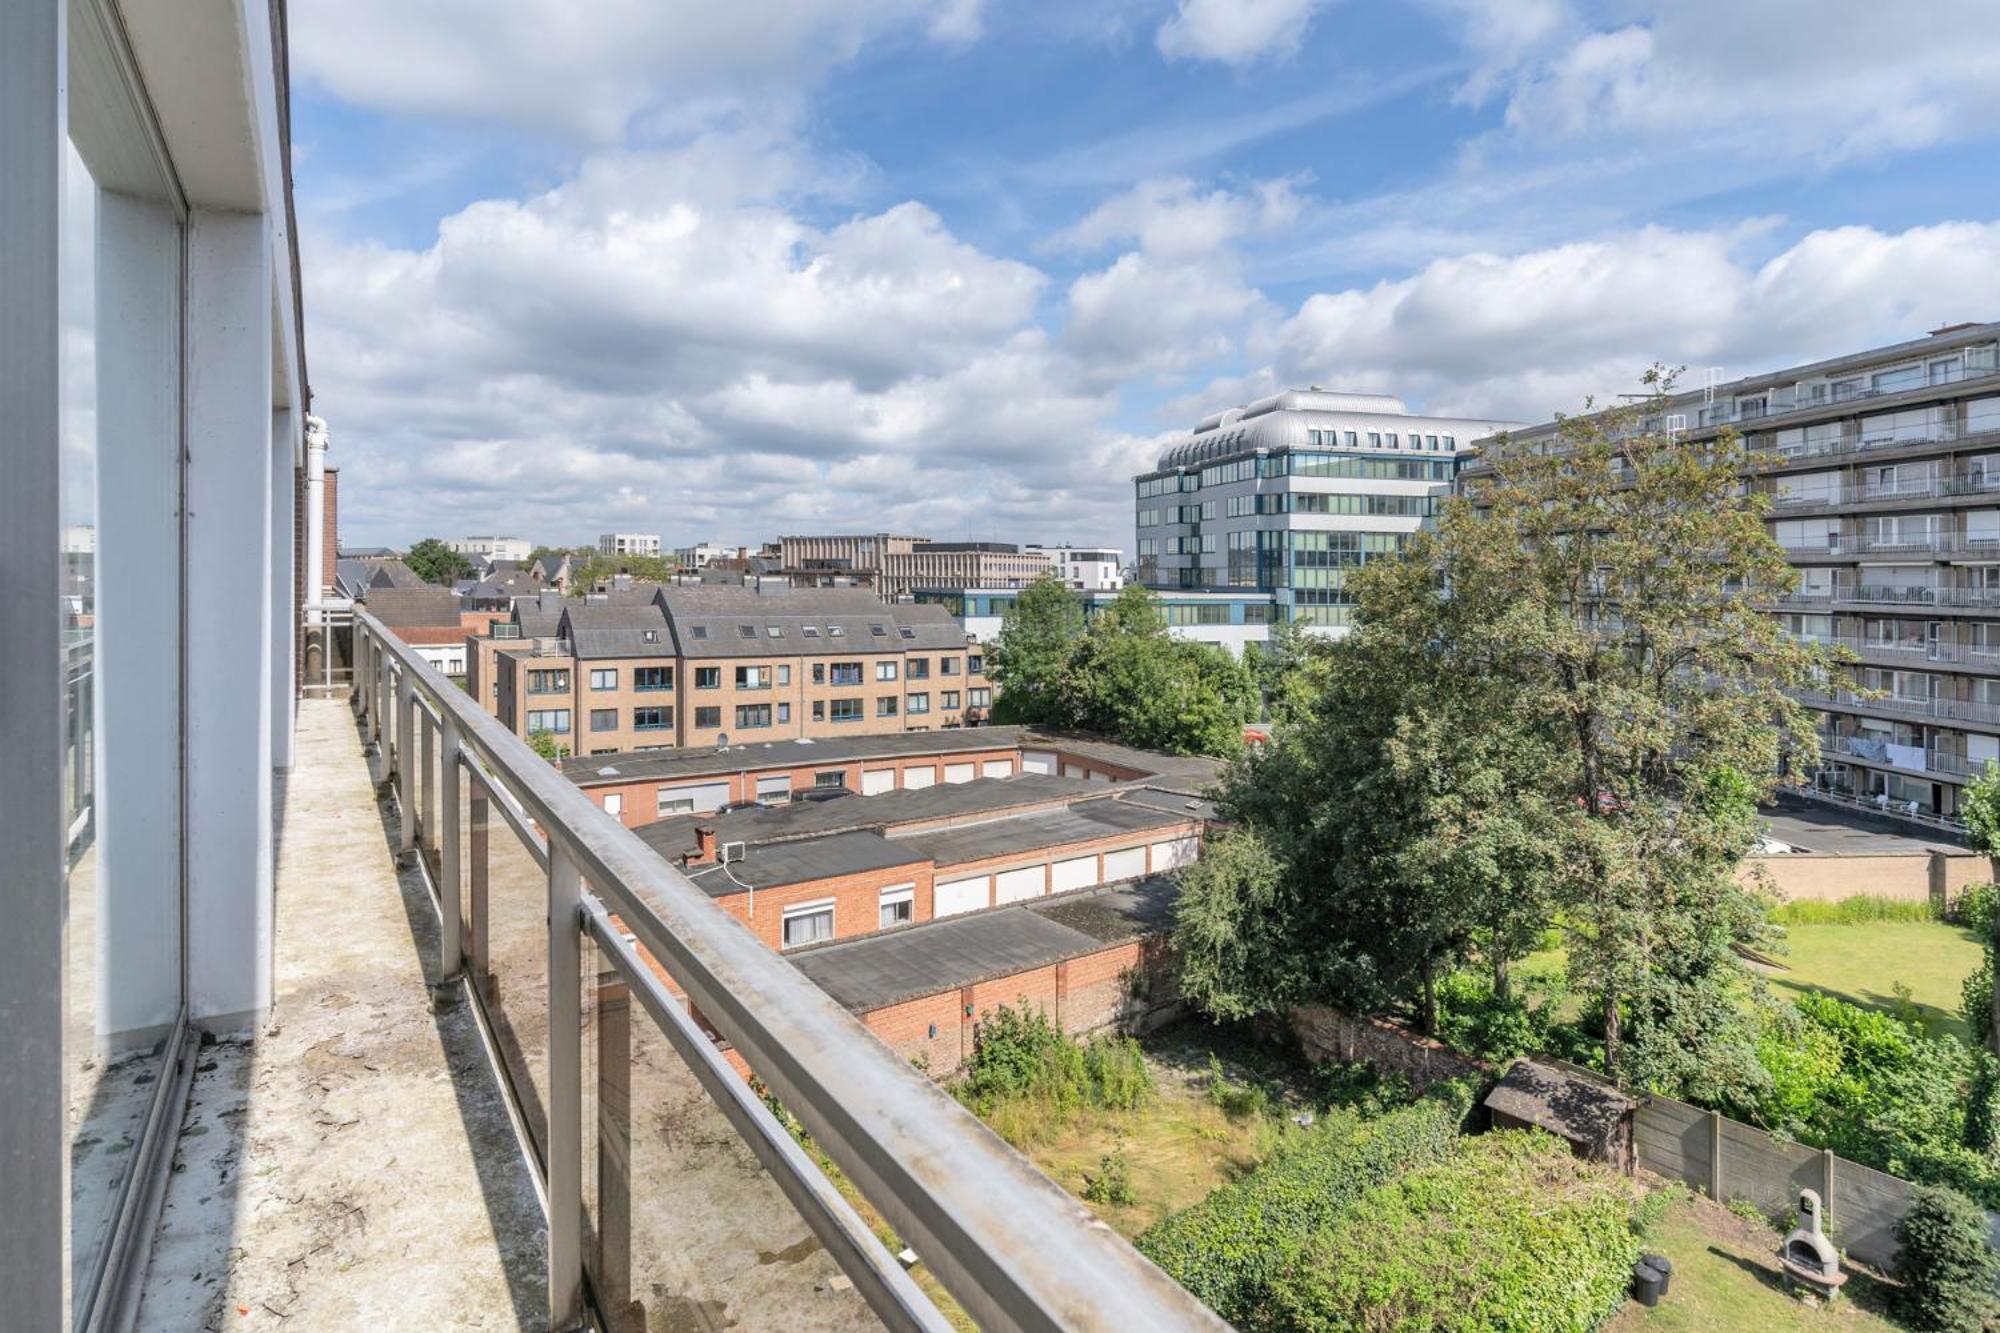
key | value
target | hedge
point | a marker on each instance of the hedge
(1232, 1246)
(1512, 1233)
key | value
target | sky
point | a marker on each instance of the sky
(962, 268)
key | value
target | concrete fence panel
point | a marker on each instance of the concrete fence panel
(1830, 876)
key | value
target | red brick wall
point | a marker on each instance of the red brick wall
(856, 901)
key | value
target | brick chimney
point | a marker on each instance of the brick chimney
(704, 846)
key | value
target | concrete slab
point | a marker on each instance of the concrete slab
(354, 1166)
(1814, 826)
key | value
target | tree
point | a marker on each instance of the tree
(434, 562)
(1979, 808)
(1130, 679)
(588, 569)
(1287, 667)
(1038, 635)
(545, 744)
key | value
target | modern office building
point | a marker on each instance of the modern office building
(896, 565)
(1883, 469)
(334, 1013)
(627, 543)
(701, 554)
(1085, 568)
(493, 548)
(1284, 495)
(1228, 618)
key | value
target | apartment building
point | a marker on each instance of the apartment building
(702, 554)
(897, 565)
(712, 665)
(1883, 471)
(492, 548)
(1228, 618)
(1282, 496)
(1085, 568)
(629, 543)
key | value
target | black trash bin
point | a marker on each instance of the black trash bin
(1646, 1284)
(1664, 1266)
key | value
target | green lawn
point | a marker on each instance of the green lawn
(1863, 963)
(1726, 1278)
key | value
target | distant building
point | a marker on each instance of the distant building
(896, 565)
(629, 543)
(1283, 496)
(1228, 618)
(493, 548)
(703, 554)
(1085, 568)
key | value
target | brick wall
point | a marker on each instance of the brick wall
(1831, 876)
(1329, 1034)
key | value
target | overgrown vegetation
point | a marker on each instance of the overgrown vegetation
(1856, 910)
(1122, 675)
(1509, 1233)
(1231, 1248)
(1028, 1078)
(1946, 1268)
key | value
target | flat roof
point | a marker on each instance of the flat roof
(805, 819)
(1814, 826)
(1085, 821)
(925, 959)
(645, 766)
(780, 863)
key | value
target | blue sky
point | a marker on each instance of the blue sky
(961, 268)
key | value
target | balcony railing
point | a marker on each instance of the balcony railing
(1008, 1244)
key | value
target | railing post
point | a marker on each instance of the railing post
(565, 1175)
(611, 1275)
(426, 781)
(476, 951)
(451, 945)
(406, 794)
(355, 695)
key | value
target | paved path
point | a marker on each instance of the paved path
(353, 1167)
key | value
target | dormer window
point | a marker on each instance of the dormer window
(650, 635)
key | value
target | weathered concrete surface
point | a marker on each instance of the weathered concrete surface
(354, 1167)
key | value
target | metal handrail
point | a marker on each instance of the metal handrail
(1008, 1243)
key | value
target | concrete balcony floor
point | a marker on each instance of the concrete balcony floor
(354, 1166)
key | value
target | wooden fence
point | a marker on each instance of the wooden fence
(1731, 1160)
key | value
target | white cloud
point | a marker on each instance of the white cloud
(588, 67)
(1530, 334)
(1236, 32)
(1174, 217)
(1793, 78)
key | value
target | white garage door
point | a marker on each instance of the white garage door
(1174, 853)
(1127, 863)
(1011, 886)
(1038, 761)
(958, 772)
(697, 800)
(774, 791)
(1077, 873)
(914, 778)
(875, 781)
(960, 895)
(997, 768)
(1075, 771)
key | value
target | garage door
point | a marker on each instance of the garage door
(698, 799)
(1011, 886)
(997, 768)
(774, 791)
(958, 772)
(1038, 761)
(1077, 873)
(914, 778)
(1075, 771)
(875, 781)
(960, 895)
(1128, 863)
(1174, 853)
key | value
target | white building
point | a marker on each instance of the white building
(629, 543)
(1284, 495)
(1086, 568)
(1227, 618)
(493, 548)
(701, 554)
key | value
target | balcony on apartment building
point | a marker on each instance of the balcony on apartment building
(504, 1082)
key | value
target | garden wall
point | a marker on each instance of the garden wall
(1330, 1034)
(1938, 877)
(1731, 1160)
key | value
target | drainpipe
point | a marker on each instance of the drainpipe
(315, 552)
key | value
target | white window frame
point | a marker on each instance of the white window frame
(893, 896)
(803, 911)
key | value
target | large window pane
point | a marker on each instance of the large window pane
(121, 608)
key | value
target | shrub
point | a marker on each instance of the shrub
(1236, 1100)
(1976, 998)
(1944, 1264)
(1512, 1232)
(1028, 1077)
(1113, 1182)
(1974, 908)
(1858, 910)
(1229, 1248)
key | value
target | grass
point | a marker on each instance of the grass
(1863, 964)
(1726, 1278)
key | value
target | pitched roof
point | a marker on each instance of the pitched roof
(1563, 1100)
(612, 630)
(726, 621)
(421, 605)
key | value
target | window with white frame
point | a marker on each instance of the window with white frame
(898, 905)
(808, 923)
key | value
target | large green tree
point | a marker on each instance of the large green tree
(434, 562)
(1565, 701)
(1038, 635)
(1128, 678)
